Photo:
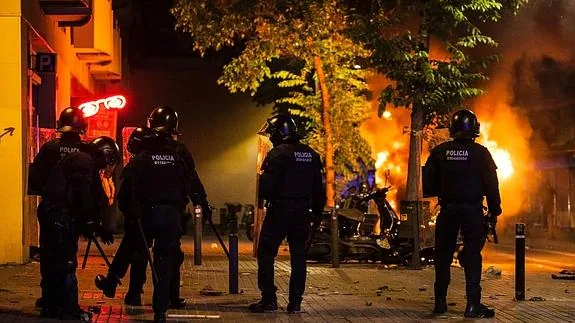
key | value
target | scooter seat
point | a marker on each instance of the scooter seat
(353, 214)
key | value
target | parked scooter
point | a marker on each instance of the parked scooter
(357, 233)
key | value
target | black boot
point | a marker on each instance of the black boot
(294, 308)
(160, 317)
(76, 315)
(440, 305)
(107, 285)
(178, 304)
(39, 302)
(133, 298)
(263, 306)
(49, 312)
(478, 311)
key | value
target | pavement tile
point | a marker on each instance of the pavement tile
(347, 294)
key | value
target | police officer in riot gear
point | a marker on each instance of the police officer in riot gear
(155, 187)
(72, 203)
(71, 125)
(130, 253)
(291, 182)
(164, 120)
(460, 173)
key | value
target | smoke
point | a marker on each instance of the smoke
(534, 75)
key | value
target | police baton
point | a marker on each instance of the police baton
(85, 260)
(91, 239)
(148, 253)
(219, 237)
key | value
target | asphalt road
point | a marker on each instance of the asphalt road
(536, 260)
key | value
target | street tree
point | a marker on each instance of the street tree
(313, 34)
(399, 34)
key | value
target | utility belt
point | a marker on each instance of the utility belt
(288, 200)
(151, 207)
(453, 203)
(58, 214)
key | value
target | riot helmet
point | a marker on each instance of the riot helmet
(279, 129)
(464, 125)
(137, 139)
(72, 120)
(107, 154)
(164, 119)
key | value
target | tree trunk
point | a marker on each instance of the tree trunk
(414, 192)
(330, 170)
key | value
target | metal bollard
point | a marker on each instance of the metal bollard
(233, 261)
(520, 261)
(198, 235)
(334, 239)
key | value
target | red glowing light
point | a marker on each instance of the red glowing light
(114, 102)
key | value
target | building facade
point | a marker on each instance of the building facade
(54, 54)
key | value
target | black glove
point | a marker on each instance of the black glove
(493, 220)
(495, 211)
(316, 215)
(89, 228)
(106, 236)
(206, 210)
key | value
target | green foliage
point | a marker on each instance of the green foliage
(435, 85)
(272, 31)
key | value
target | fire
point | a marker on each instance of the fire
(501, 156)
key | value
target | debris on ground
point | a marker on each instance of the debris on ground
(209, 291)
(564, 275)
(422, 289)
(194, 316)
(537, 299)
(94, 309)
(368, 303)
(493, 272)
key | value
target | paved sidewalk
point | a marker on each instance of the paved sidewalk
(352, 293)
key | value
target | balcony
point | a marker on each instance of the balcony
(68, 12)
(94, 42)
(112, 69)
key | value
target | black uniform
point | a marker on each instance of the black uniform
(125, 252)
(157, 180)
(41, 171)
(291, 182)
(71, 198)
(460, 173)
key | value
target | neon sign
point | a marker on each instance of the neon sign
(91, 108)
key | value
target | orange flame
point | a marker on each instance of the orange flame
(501, 156)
